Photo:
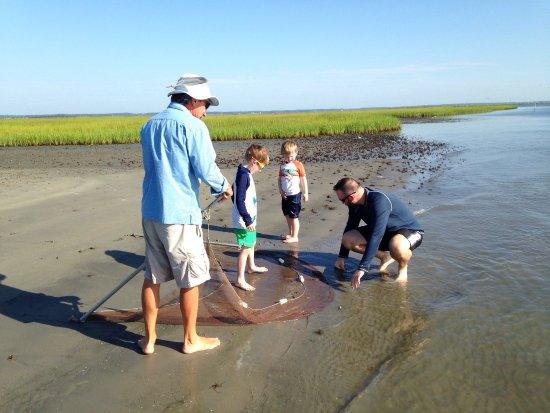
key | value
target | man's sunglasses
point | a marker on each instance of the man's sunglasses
(343, 200)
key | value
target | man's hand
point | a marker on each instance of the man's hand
(340, 263)
(356, 279)
(306, 197)
(226, 195)
(251, 227)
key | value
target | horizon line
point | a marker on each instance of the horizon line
(53, 115)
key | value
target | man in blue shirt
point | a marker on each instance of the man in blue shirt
(391, 232)
(178, 155)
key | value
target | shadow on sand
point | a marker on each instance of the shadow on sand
(56, 311)
(230, 230)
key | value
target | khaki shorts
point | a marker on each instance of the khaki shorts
(175, 252)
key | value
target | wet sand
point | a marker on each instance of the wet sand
(70, 230)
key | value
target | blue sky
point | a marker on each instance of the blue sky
(119, 56)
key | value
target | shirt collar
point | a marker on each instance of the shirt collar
(243, 168)
(178, 106)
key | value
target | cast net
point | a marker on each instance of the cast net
(289, 290)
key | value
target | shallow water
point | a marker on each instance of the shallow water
(470, 332)
(482, 279)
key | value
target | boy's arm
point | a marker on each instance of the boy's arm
(241, 184)
(303, 184)
(280, 187)
(303, 180)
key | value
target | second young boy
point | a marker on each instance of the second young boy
(292, 186)
(245, 209)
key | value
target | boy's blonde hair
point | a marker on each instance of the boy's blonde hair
(288, 147)
(258, 153)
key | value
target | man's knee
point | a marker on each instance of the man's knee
(353, 239)
(400, 248)
(346, 241)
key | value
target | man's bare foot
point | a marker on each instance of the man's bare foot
(245, 286)
(287, 236)
(402, 276)
(147, 346)
(200, 344)
(290, 240)
(257, 269)
(384, 264)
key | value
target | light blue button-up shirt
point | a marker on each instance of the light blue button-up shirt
(177, 155)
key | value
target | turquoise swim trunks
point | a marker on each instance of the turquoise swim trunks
(244, 237)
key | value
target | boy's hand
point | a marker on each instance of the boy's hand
(283, 195)
(306, 197)
(251, 227)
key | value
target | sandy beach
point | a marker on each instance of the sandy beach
(70, 230)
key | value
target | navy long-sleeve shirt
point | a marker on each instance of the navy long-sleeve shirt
(240, 187)
(381, 212)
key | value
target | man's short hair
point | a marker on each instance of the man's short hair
(346, 185)
(181, 98)
(289, 146)
(257, 152)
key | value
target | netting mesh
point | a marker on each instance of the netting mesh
(289, 290)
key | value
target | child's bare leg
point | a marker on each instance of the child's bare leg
(241, 281)
(252, 267)
(294, 229)
(289, 223)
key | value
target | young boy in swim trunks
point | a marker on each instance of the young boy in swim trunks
(244, 213)
(292, 186)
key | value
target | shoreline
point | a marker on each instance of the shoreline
(74, 232)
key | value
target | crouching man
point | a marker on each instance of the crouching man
(391, 232)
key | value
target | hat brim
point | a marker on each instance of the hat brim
(213, 100)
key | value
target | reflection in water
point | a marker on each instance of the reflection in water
(482, 275)
(344, 348)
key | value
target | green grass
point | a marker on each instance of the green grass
(299, 125)
(441, 111)
(93, 130)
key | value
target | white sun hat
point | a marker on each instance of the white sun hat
(195, 86)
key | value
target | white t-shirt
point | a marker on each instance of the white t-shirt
(289, 176)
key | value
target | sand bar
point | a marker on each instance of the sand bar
(70, 230)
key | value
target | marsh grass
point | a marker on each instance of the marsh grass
(93, 130)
